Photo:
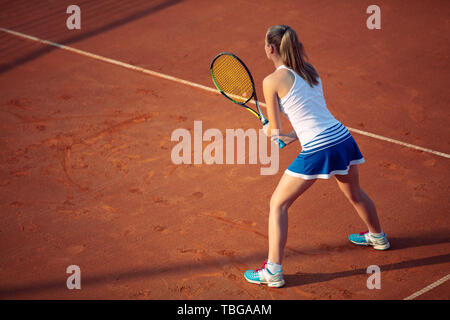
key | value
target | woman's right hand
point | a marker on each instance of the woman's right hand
(287, 138)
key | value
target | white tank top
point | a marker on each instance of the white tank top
(306, 109)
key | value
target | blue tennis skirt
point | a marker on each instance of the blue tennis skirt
(331, 152)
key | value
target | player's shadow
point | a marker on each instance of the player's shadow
(434, 237)
(292, 280)
(299, 279)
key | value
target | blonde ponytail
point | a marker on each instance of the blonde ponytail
(292, 52)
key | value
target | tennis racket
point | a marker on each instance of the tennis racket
(233, 79)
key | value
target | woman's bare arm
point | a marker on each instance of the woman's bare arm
(273, 108)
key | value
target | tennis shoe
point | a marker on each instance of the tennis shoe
(365, 239)
(264, 276)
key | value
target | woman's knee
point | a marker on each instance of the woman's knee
(354, 195)
(277, 202)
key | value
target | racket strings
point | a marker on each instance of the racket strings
(232, 78)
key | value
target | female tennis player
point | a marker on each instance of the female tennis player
(328, 149)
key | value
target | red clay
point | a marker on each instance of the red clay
(86, 176)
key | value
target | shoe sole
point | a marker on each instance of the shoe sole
(277, 284)
(379, 247)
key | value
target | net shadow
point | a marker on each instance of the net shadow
(47, 20)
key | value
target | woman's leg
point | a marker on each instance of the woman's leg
(349, 185)
(289, 188)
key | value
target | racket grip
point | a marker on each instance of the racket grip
(281, 143)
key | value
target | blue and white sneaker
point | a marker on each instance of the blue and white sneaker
(264, 276)
(365, 239)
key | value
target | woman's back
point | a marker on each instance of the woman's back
(306, 109)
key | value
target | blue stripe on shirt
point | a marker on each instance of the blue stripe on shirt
(329, 137)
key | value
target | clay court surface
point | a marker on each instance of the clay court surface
(86, 176)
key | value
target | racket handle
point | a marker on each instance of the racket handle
(281, 143)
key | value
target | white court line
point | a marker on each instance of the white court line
(428, 288)
(199, 86)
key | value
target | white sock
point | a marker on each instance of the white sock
(377, 235)
(273, 267)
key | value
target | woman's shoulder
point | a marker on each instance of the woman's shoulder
(277, 77)
(270, 80)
